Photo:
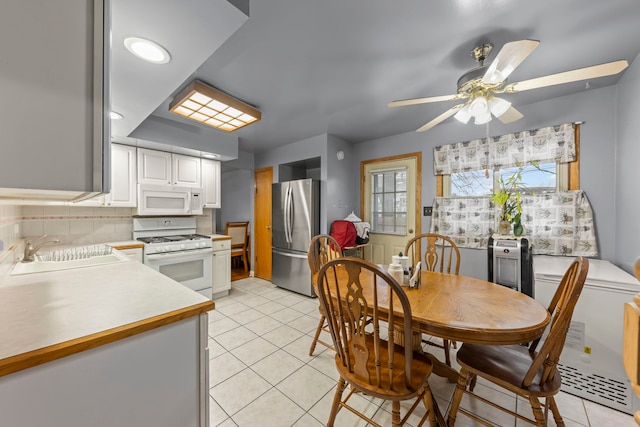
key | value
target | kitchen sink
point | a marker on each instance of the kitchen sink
(45, 266)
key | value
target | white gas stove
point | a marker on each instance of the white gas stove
(172, 247)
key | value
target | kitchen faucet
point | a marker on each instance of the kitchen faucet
(30, 250)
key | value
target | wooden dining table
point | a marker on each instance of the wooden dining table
(466, 309)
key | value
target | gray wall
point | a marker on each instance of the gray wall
(627, 162)
(236, 187)
(308, 148)
(596, 108)
(341, 196)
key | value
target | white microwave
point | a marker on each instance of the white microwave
(169, 200)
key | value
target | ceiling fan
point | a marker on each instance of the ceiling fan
(480, 85)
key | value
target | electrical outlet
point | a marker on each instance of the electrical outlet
(427, 210)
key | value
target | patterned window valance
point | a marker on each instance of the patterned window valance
(555, 223)
(545, 145)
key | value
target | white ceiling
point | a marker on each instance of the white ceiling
(331, 66)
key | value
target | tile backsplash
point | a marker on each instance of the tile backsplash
(10, 230)
(78, 224)
(72, 225)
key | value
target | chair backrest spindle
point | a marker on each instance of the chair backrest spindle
(435, 251)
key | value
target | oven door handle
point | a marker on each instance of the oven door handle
(164, 255)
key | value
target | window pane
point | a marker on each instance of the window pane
(401, 223)
(376, 221)
(401, 202)
(377, 183)
(535, 180)
(388, 203)
(377, 203)
(389, 182)
(474, 183)
(401, 181)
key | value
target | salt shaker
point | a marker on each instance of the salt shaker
(397, 272)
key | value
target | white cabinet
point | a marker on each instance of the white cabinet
(154, 167)
(185, 171)
(123, 177)
(162, 168)
(54, 103)
(211, 183)
(221, 267)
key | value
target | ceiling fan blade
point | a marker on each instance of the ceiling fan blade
(595, 71)
(415, 101)
(442, 117)
(509, 57)
(511, 115)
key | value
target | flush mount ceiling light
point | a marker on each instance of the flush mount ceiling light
(147, 50)
(201, 102)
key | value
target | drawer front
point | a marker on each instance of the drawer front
(219, 245)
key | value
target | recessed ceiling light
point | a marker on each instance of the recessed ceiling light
(210, 156)
(147, 50)
(115, 116)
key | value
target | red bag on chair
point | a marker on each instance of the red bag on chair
(344, 232)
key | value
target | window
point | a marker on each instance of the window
(543, 179)
(389, 201)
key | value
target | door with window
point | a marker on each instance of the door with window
(390, 199)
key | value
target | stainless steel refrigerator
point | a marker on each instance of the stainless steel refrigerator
(295, 220)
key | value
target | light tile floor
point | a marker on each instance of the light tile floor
(262, 375)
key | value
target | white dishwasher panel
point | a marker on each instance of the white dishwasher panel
(591, 362)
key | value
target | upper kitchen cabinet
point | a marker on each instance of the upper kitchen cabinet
(211, 183)
(186, 171)
(55, 98)
(123, 177)
(162, 168)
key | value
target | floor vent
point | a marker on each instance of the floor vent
(614, 393)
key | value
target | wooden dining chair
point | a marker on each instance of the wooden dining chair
(436, 252)
(322, 249)
(524, 370)
(239, 240)
(355, 310)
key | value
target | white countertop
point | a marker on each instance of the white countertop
(85, 307)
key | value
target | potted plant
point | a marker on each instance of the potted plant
(507, 198)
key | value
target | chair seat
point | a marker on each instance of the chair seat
(505, 365)
(420, 371)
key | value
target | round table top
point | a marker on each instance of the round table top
(471, 310)
(475, 311)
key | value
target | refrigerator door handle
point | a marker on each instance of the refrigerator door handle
(287, 217)
(290, 254)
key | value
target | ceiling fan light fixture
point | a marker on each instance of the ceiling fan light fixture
(482, 118)
(463, 115)
(478, 106)
(498, 106)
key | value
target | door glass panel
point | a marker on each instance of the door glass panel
(389, 200)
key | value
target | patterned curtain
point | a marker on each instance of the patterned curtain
(555, 223)
(545, 145)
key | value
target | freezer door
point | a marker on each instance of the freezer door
(280, 196)
(303, 213)
(290, 270)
